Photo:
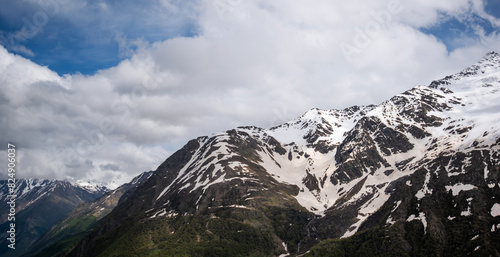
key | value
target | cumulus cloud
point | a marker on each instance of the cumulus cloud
(249, 63)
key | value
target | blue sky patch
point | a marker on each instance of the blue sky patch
(455, 33)
(492, 7)
(82, 36)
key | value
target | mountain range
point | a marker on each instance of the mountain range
(39, 204)
(64, 233)
(416, 175)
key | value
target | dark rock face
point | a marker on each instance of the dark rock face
(359, 152)
(311, 182)
(450, 221)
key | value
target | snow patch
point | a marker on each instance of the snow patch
(286, 249)
(237, 206)
(353, 229)
(457, 188)
(466, 213)
(421, 217)
(163, 212)
(425, 190)
(495, 210)
(397, 205)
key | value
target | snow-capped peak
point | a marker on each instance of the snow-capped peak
(490, 58)
(489, 64)
(92, 185)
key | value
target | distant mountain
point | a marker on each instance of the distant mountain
(417, 175)
(69, 230)
(93, 185)
(39, 204)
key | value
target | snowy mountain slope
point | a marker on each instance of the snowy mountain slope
(94, 186)
(80, 220)
(40, 203)
(337, 172)
(395, 138)
(29, 191)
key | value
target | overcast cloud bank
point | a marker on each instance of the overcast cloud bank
(247, 63)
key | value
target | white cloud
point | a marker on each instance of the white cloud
(258, 63)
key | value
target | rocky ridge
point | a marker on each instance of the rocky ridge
(416, 170)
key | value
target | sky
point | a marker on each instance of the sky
(104, 90)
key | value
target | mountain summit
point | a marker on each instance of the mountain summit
(415, 175)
